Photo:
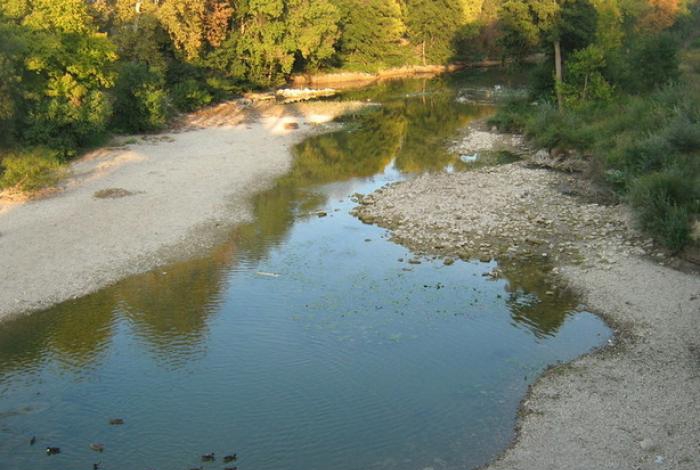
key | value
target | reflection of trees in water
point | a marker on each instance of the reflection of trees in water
(74, 333)
(529, 301)
(169, 308)
(319, 160)
(432, 121)
(170, 311)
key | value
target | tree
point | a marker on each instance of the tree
(372, 31)
(194, 23)
(568, 24)
(433, 25)
(140, 100)
(68, 16)
(65, 94)
(12, 51)
(273, 34)
(585, 83)
(66, 69)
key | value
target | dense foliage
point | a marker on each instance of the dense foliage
(626, 104)
(73, 70)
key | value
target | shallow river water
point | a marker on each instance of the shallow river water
(304, 341)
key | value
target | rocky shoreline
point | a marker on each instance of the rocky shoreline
(634, 405)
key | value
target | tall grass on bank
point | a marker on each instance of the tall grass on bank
(30, 170)
(647, 147)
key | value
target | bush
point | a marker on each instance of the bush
(511, 115)
(651, 154)
(223, 88)
(664, 202)
(190, 95)
(30, 170)
(684, 134)
(140, 102)
(59, 123)
(550, 128)
(655, 63)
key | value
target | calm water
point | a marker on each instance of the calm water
(302, 341)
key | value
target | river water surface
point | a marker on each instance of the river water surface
(304, 341)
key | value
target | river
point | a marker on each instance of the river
(306, 339)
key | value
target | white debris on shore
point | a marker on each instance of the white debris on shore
(300, 94)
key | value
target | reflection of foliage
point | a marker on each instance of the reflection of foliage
(170, 311)
(412, 126)
(170, 308)
(532, 301)
(74, 332)
(345, 155)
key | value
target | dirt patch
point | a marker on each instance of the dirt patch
(112, 193)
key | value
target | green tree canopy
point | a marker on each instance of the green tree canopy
(372, 31)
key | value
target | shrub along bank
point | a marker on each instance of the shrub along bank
(633, 110)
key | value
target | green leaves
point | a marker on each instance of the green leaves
(433, 25)
(273, 34)
(60, 74)
(372, 32)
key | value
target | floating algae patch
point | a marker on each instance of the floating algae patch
(296, 342)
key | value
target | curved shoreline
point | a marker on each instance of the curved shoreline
(153, 199)
(634, 405)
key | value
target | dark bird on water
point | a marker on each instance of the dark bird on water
(95, 466)
(208, 457)
(32, 441)
(231, 458)
(97, 447)
(53, 450)
(116, 421)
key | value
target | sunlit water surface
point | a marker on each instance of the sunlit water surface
(302, 341)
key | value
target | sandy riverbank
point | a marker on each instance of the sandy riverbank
(152, 200)
(633, 405)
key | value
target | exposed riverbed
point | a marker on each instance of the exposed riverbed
(633, 405)
(305, 337)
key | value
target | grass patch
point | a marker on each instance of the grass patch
(30, 170)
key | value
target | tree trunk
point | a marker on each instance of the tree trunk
(137, 8)
(557, 73)
(424, 52)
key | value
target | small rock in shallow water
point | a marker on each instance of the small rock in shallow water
(449, 261)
